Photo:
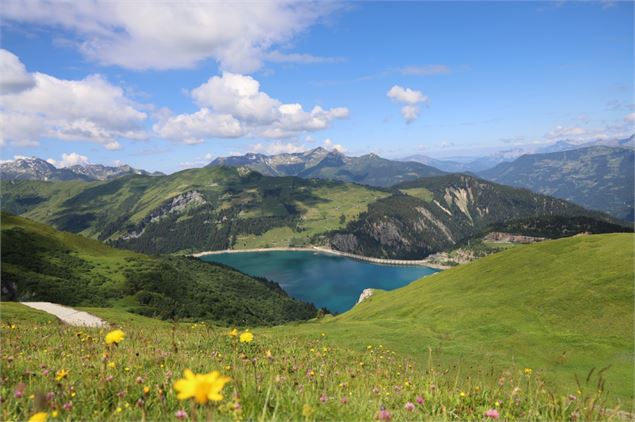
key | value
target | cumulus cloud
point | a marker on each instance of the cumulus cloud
(412, 100)
(232, 105)
(90, 109)
(146, 34)
(630, 117)
(69, 160)
(194, 128)
(13, 74)
(329, 144)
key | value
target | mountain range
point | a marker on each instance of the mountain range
(33, 168)
(598, 177)
(432, 214)
(226, 207)
(369, 169)
(480, 164)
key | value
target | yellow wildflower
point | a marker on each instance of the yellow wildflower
(246, 337)
(146, 389)
(528, 371)
(201, 387)
(61, 374)
(55, 413)
(115, 337)
(39, 417)
(119, 410)
(111, 364)
(307, 410)
(233, 333)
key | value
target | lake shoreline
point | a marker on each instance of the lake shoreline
(396, 262)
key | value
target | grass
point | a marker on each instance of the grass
(273, 377)
(318, 217)
(40, 263)
(421, 193)
(541, 331)
(16, 313)
(565, 306)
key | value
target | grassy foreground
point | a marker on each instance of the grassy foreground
(541, 331)
(71, 374)
(565, 306)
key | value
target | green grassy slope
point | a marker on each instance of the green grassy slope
(193, 210)
(220, 207)
(564, 306)
(41, 263)
(433, 214)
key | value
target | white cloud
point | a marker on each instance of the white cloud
(168, 35)
(234, 106)
(560, 132)
(412, 100)
(425, 70)
(68, 160)
(90, 109)
(329, 144)
(194, 128)
(239, 96)
(276, 148)
(13, 75)
(630, 117)
(615, 130)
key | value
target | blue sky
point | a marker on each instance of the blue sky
(170, 87)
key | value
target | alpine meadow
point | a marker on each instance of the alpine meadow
(317, 211)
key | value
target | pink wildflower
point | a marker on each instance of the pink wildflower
(384, 415)
(410, 406)
(180, 414)
(492, 413)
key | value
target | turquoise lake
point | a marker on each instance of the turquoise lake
(325, 280)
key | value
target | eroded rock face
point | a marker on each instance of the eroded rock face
(387, 233)
(178, 203)
(345, 242)
(366, 293)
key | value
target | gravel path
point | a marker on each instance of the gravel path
(68, 315)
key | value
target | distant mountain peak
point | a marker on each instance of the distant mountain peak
(322, 163)
(34, 168)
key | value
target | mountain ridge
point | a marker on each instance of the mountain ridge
(217, 208)
(596, 177)
(34, 168)
(369, 169)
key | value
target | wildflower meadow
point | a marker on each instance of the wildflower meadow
(143, 369)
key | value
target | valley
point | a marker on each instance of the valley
(222, 208)
(317, 211)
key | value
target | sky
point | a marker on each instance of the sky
(171, 85)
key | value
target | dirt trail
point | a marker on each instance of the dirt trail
(68, 315)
